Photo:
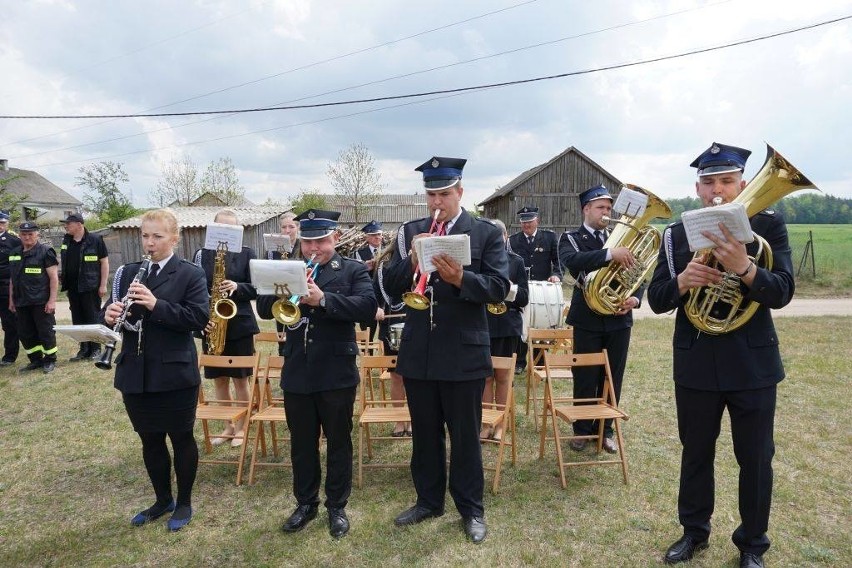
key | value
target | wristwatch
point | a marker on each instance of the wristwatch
(322, 302)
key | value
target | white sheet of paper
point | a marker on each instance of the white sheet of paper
(457, 246)
(219, 232)
(89, 332)
(265, 274)
(513, 292)
(630, 202)
(732, 215)
(277, 242)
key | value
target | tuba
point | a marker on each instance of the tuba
(222, 308)
(721, 308)
(607, 288)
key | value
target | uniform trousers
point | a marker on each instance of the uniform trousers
(306, 413)
(36, 331)
(459, 405)
(84, 308)
(588, 381)
(11, 345)
(699, 418)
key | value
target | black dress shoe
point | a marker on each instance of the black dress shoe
(80, 356)
(300, 517)
(6, 362)
(475, 529)
(749, 560)
(684, 549)
(414, 515)
(32, 366)
(338, 524)
(48, 367)
(95, 355)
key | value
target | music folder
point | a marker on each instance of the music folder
(275, 277)
(89, 332)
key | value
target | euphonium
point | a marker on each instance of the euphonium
(607, 288)
(105, 362)
(286, 310)
(416, 298)
(222, 308)
(720, 308)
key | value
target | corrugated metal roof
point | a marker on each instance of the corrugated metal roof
(37, 188)
(189, 217)
(391, 208)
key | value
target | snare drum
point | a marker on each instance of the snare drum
(544, 310)
(395, 335)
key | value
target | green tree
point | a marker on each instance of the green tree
(104, 196)
(308, 199)
(9, 201)
(221, 179)
(355, 179)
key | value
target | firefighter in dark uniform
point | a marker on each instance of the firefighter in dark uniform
(738, 370)
(320, 373)
(34, 285)
(84, 272)
(367, 254)
(8, 242)
(582, 251)
(444, 357)
(540, 251)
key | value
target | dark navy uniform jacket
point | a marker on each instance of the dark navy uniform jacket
(167, 359)
(236, 269)
(459, 347)
(320, 351)
(511, 324)
(541, 257)
(581, 253)
(92, 250)
(744, 359)
(8, 242)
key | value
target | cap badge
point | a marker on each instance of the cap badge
(715, 149)
(311, 215)
(435, 163)
(335, 265)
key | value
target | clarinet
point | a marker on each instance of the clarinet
(105, 362)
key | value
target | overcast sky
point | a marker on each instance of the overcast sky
(644, 124)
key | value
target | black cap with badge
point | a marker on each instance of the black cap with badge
(316, 223)
(441, 173)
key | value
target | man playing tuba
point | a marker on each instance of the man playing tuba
(738, 370)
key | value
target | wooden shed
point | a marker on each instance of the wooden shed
(553, 187)
(125, 244)
(390, 209)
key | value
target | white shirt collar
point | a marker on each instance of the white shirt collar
(451, 223)
(163, 262)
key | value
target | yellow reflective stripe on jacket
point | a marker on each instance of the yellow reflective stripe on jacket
(63, 247)
(90, 258)
(14, 257)
(29, 270)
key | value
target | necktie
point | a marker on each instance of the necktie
(155, 268)
(530, 240)
(599, 237)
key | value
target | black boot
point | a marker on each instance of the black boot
(82, 354)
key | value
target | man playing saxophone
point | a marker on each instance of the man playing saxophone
(582, 251)
(737, 370)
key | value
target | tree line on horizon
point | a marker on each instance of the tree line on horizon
(808, 209)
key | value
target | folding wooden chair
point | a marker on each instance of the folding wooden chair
(366, 344)
(376, 410)
(271, 412)
(227, 410)
(572, 409)
(540, 341)
(267, 343)
(501, 415)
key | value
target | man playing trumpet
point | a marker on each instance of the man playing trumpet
(444, 355)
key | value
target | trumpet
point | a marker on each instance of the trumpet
(286, 310)
(416, 298)
(105, 362)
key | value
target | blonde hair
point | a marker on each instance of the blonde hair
(164, 216)
(226, 213)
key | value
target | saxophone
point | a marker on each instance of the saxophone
(221, 307)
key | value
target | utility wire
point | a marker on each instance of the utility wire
(370, 83)
(294, 69)
(442, 91)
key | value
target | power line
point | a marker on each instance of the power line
(442, 91)
(370, 83)
(293, 69)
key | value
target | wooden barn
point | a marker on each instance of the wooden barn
(125, 244)
(553, 187)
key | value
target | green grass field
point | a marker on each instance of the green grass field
(72, 476)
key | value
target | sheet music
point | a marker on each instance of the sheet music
(732, 215)
(89, 332)
(220, 232)
(457, 246)
(277, 242)
(266, 274)
(630, 202)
